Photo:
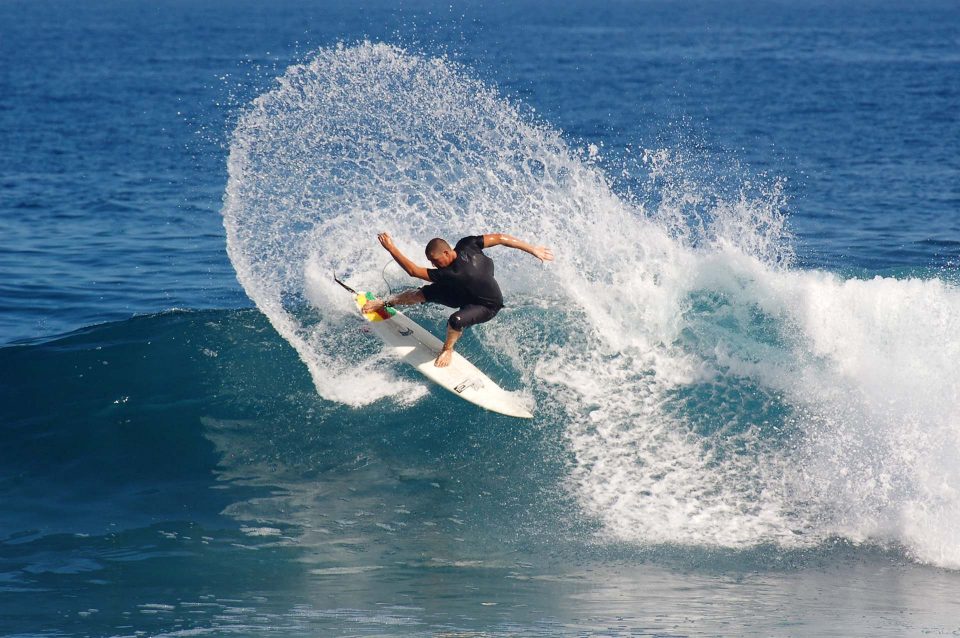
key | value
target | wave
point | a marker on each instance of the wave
(207, 419)
(708, 392)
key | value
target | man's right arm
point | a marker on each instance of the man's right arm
(411, 268)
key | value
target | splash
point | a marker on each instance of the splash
(709, 393)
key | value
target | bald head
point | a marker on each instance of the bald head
(436, 246)
(439, 253)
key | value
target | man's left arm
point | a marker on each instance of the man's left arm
(501, 239)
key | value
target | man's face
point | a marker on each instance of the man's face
(442, 258)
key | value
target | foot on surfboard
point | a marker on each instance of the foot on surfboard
(443, 360)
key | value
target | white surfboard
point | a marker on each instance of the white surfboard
(416, 346)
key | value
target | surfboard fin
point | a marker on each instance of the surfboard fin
(352, 291)
(348, 288)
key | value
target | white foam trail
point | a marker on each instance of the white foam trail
(364, 139)
(709, 394)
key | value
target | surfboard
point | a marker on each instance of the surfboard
(414, 345)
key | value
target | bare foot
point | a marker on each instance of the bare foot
(372, 306)
(444, 359)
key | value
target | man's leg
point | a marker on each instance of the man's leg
(405, 298)
(467, 316)
(443, 359)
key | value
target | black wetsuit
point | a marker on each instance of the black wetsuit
(468, 284)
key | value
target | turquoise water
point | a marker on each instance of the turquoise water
(743, 358)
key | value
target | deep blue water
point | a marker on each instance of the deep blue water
(744, 360)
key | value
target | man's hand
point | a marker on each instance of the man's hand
(372, 306)
(386, 241)
(542, 253)
(408, 266)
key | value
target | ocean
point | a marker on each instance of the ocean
(744, 359)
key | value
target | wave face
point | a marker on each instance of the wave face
(708, 392)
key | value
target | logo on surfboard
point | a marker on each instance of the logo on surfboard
(469, 383)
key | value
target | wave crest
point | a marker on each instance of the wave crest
(709, 394)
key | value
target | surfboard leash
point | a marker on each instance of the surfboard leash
(383, 275)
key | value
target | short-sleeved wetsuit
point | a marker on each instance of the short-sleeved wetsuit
(468, 284)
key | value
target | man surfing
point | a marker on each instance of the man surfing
(462, 278)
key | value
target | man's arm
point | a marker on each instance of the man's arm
(500, 239)
(411, 268)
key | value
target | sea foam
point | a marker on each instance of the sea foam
(709, 392)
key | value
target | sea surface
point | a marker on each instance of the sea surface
(745, 360)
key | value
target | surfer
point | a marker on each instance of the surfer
(462, 278)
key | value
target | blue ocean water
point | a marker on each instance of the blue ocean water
(744, 359)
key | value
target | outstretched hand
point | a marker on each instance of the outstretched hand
(542, 253)
(386, 241)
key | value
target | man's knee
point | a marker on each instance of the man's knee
(456, 321)
(470, 316)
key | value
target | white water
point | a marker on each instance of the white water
(709, 394)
